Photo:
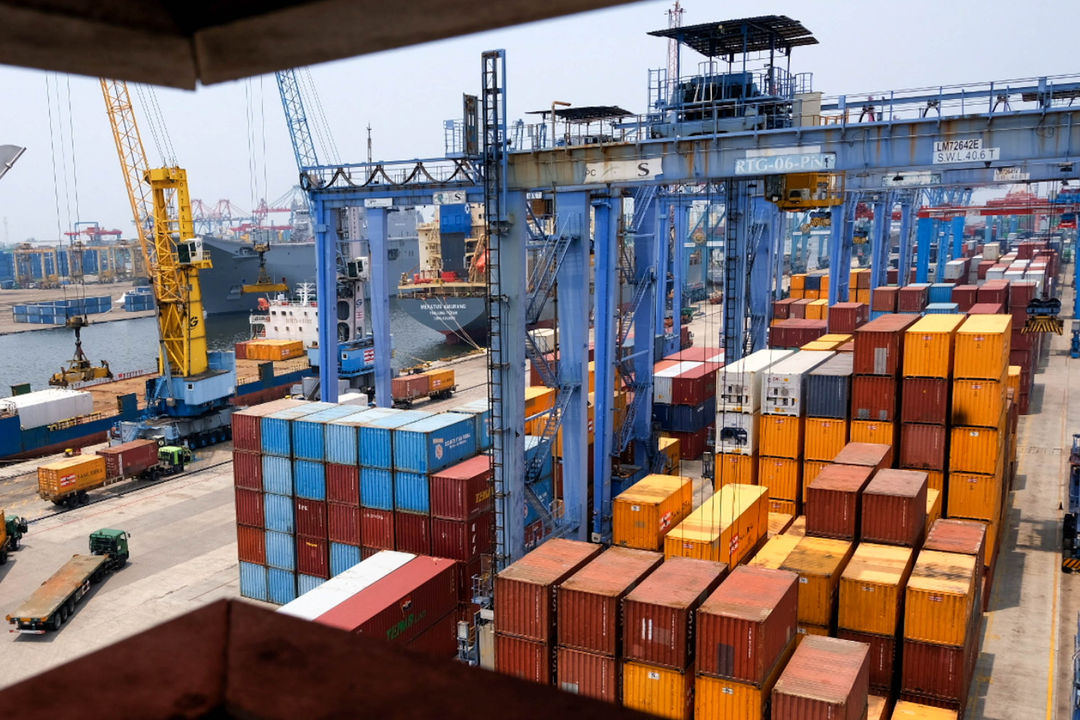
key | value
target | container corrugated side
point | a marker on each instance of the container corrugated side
(834, 501)
(307, 583)
(824, 438)
(311, 518)
(250, 545)
(343, 484)
(376, 448)
(522, 658)
(928, 345)
(276, 431)
(343, 524)
(281, 585)
(313, 556)
(781, 476)
(377, 528)
(309, 479)
(345, 585)
(894, 507)
(883, 657)
(826, 678)
(925, 400)
(975, 496)
(979, 403)
(818, 562)
(872, 588)
(281, 550)
(277, 475)
(433, 443)
(72, 474)
(727, 699)
(412, 533)
(828, 388)
(249, 508)
(588, 674)
(982, 347)
(781, 436)
(279, 514)
(343, 557)
(309, 432)
(247, 470)
(939, 598)
(879, 344)
(724, 528)
(253, 581)
(464, 490)
(645, 512)
(660, 691)
(377, 488)
(343, 435)
(976, 449)
(412, 492)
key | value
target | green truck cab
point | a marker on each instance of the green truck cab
(113, 543)
(174, 457)
(12, 530)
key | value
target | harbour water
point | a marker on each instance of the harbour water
(130, 345)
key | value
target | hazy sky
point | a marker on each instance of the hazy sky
(223, 131)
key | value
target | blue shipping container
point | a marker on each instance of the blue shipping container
(309, 432)
(253, 581)
(310, 479)
(343, 437)
(278, 513)
(276, 431)
(434, 443)
(412, 492)
(307, 583)
(942, 308)
(377, 488)
(277, 475)
(481, 412)
(343, 557)
(543, 488)
(280, 550)
(282, 586)
(941, 292)
(532, 444)
(376, 441)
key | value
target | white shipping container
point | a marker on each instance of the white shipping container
(738, 385)
(991, 251)
(45, 407)
(954, 269)
(662, 380)
(784, 383)
(737, 432)
(544, 338)
(340, 588)
(353, 398)
(997, 272)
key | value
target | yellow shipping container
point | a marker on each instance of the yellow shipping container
(781, 436)
(789, 507)
(274, 350)
(804, 629)
(933, 506)
(928, 345)
(724, 529)
(811, 294)
(669, 447)
(824, 283)
(872, 588)
(590, 429)
(935, 480)
(863, 295)
(796, 294)
(798, 527)
(440, 380)
(824, 438)
(810, 471)
(779, 522)
(818, 310)
(781, 477)
(978, 402)
(819, 345)
(976, 449)
(975, 496)
(732, 468)
(798, 282)
(873, 431)
(1012, 380)
(69, 475)
(538, 398)
(657, 690)
(722, 699)
(939, 596)
(907, 710)
(819, 563)
(877, 708)
(775, 552)
(993, 537)
(982, 347)
(645, 512)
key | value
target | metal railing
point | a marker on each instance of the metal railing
(393, 174)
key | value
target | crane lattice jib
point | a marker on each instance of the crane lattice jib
(299, 130)
(133, 163)
(176, 283)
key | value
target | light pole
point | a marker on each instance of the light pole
(553, 104)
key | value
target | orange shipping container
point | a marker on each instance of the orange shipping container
(976, 449)
(1012, 380)
(645, 512)
(824, 438)
(724, 529)
(658, 690)
(863, 295)
(798, 281)
(811, 295)
(982, 347)
(811, 469)
(907, 710)
(975, 496)
(819, 563)
(935, 480)
(724, 699)
(872, 588)
(779, 522)
(668, 447)
(781, 436)
(928, 345)
(69, 475)
(538, 399)
(732, 468)
(939, 598)
(775, 552)
(440, 380)
(781, 477)
(873, 431)
(789, 507)
(978, 402)
(933, 506)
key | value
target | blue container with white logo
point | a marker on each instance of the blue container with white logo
(412, 492)
(282, 586)
(433, 443)
(309, 432)
(481, 412)
(376, 437)
(253, 581)
(343, 435)
(309, 479)
(377, 488)
(280, 550)
(277, 475)
(276, 429)
(343, 557)
(307, 583)
(941, 292)
(532, 448)
(278, 513)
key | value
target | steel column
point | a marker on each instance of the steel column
(380, 305)
(645, 331)
(681, 226)
(924, 235)
(764, 237)
(903, 265)
(664, 269)
(780, 237)
(957, 238)
(605, 252)
(880, 240)
(839, 251)
(736, 201)
(326, 243)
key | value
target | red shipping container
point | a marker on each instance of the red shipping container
(781, 309)
(965, 296)
(247, 470)
(881, 658)
(251, 544)
(691, 445)
(402, 605)
(343, 524)
(463, 491)
(967, 537)
(246, 423)
(343, 484)
(985, 308)
(925, 400)
(874, 455)
(658, 614)
(407, 387)
(983, 268)
(525, 591)
(994, 291)
(833, 501)
(798, 308)
(938, 671)
(464, 540)
(132, 459)
(825, 678)
(894, 507)
(313, 556)
(884, 298)
(310, 518)
(879, 344)
(747, 622)
(1023, 358)
(913, 298)
(412, 533)
(588, 601)
(439, 640)
(695, 385)
(466, 572)
(1021, 292)
(240, 349)
(892, 276)
(845, 317)
(585, 673)
(873, 397)
(1019, 317)
(923, 446)
(249, 508)
(526, 659)
(377, 528)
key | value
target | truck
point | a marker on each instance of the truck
(12, 530)
(434, 384)
(67, 481)
(55, 599)
(1070, 538)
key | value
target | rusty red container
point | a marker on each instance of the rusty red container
(983, 268)
(251, 544)
(521, 658)
(464, 540)
(941, 671)
(407, 387)
(884, 298)
(247, 470)
(994, 291)
(310, 518)
(692, 444)
(313, 556)
(249, 508)
(881, 658)
(131, 459)
(923, 446)
(744, 626)
(985, 308)
(1021, 292)
(798, 308)
(873, 397)
(589, 600)
(781, 309)
(589, 674)
(525, 591)
(846, 316)
(694, 386)
(894, 507)
(913, 298)
(834, 499)
(343, 484)
(967, 537)
(873, 455)
(965, 296)
(825, 678)
(343, 524)
(439, 640)
(412, 533)
(246, 423)
(658, 614)
(377, 528)
(925, 400)
(879, 344)
(1022, 341)
(464, 490)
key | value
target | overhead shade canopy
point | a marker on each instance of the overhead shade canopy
(179, 43)
(733, 37)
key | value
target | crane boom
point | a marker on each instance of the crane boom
(296, 119)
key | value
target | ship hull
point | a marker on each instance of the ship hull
(459, 319)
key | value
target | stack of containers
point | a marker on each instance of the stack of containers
(462, 515)
(967, 537)
(543, 487)
(783, 411)
(658, 637)
(745, 636)
(684, 401)
(589, 627)
(819, 562)
(834, 501)
(726, 528)
(859, 286)
(928, 354)
(525, 608)
(738, 403)
(875, 388)
(826, 678)
(1024, 347)
(647, 510)
(828, 407)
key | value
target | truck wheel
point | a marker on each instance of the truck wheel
(3, 556)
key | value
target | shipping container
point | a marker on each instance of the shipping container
(872, 588)
(745, 625)
(644, 513)
(526, 659)
(313, 556)
(811, 469)
(250, 545)
(907, 710)
(277, 473)
(343, 434)
(982, 347)
(873, 455)
(345, 585)
(660, 691)
(725, 528)
(738, 384)
(309, 479)
(923, 446)
(60, 478)
(377, 488)
(658, 614)
(894, 507)
(781, 476)
(940, 597)
(879, 345)
(828, 388)
(737, 432)
(925, 400)
(281, 585)
(825, 678)
(525, 591)
(412, 533)
(434, 443)
(966, 537)
(253, 581)
(275, 429)
(463, 540)
(343, 484)
(481, 412)
(783, 384)
(246, 423)
(726, 699)
(309, 437)
(130, 459)
(377, 528)
(781, 436)
(463, 491)
(874, 397)
(311, 518)
(834, 499)
(884, 299)
(788, 507)
(693, 385)
(735, 468)
(247, 470)
(976, 449)
(937, 672)
(281, 550)
(343, 524)
(584, 673)
(412, 492)
(975, 496)
(779, 522)
(819, 563)
(279, 513)
(775, 552)
(928, 345)
(249, 508)
(933, 507)
(845, 317)
(410, 386)
(882, 657)
(978, 403)
(873, 431)
(376, 447)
